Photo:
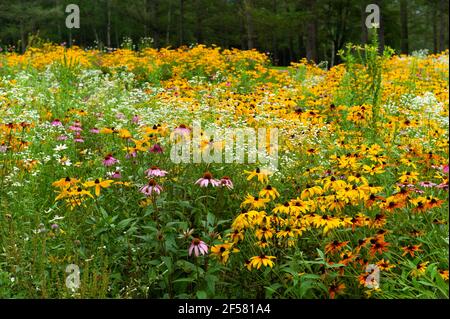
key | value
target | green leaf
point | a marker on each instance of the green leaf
(168, 262)
(201, 294)
(184, 280)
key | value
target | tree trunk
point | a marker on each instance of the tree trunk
(116, 35)
(22, 38)
(181, 26)
(404, 26)
(435, 34)
(154, 10)
(381, 29)
(58, 24)
(333, 54)
(169, 15)
(108, 26)
(199, 14)
(274, 36)
(442, 26)
(364, 34)
(249, 24)
(311, 32)
(145, 20)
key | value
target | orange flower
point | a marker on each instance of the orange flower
(378, 246)
(411, 249)
(335, 289)
(334, 246)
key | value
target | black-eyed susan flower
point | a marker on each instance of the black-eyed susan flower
(237, 236)
(378, 221)
(310, 191)
(408, 177)
(444, 274)
(336, 289)
(411, 249)
(222, 252)
(265, 232)
(261, 260)
(420, 269)
(98, 184)
(66, 182)
(255, 202)
(282, 208)
(335, 246)
(385, 264)
(261, 175)
(269, 192)
(378, 246)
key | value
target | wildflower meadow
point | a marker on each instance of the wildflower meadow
(204, 172)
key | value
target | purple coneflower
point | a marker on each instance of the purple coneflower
(109, 160)
(94, 130)
(442, 186)
(115, 175)
(131, 155)
(156, 149)
(135, 119)
(206, 180)
(155, 171)
(445, 169)
(76, 127)
(78, 138)
(56, 122)
(151, 187)
(427, 184)
(62, 138)
(182, 129)
(198, 247)
(226, 182)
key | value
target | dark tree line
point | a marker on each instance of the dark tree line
(287, 29)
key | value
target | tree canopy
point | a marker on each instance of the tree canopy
(286, 29)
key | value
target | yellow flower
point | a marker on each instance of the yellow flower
(420, 269)
(444, 274)
(255, 202)
(408, 177)
(98, 184)
(65, 182)
(222, 251)
(269, 192)
(385, 265)
(106, 130)
(124, 133)
(265, 232)
(261, 260)
(311, 191)
(261, 175)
